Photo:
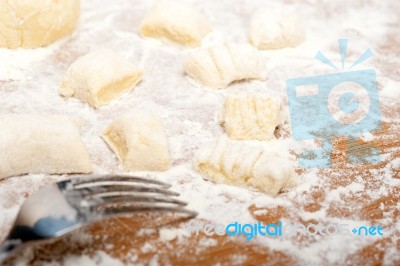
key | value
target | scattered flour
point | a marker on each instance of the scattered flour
(100, 258)
(29, 82)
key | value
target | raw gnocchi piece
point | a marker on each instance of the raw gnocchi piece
(48, 144)
(139, 141)
(99, 77)
(251, 116)
(272, 28)
(31, 24)
(177, 22)
(220, 65)
(263, 166)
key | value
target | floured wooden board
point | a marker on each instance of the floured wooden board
(354, 194)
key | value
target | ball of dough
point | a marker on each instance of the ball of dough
(139, 141)
(35, 23)
(177, 22)
(272, 28)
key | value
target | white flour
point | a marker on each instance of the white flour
(29, 81)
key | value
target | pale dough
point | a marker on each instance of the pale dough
(30, 24)
(49, 144)
(139, 141)
(251, 116)
(272, 28)
(263, 166)
(177, 22)
(99, 77)
(220, 65)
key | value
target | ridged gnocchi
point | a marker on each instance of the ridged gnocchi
(262, 166)
(41, 144)
(176, 22)
(251, 116)
(139, 141)
(99, 77)
(272, 28)
(220, 65)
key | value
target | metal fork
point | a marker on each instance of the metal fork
(60, 208)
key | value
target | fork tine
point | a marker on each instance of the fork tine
(121, 210)
(93, 190)
(128, 197)
(128, 180)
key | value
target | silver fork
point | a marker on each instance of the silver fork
(60, 208)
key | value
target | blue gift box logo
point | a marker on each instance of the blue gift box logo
(338, 104)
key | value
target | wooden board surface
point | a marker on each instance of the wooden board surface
(122, 238)
(127, 245)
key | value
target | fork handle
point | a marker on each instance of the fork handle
(7, 247)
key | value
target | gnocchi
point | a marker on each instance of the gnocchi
(218, 66)
(139, 141)
(99, 77)
(251, 116)
(273, 29)
(176, 22)
(31, 24)
(48, 144)
(259, 165)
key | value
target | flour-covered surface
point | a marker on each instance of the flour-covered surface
(353, 194)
